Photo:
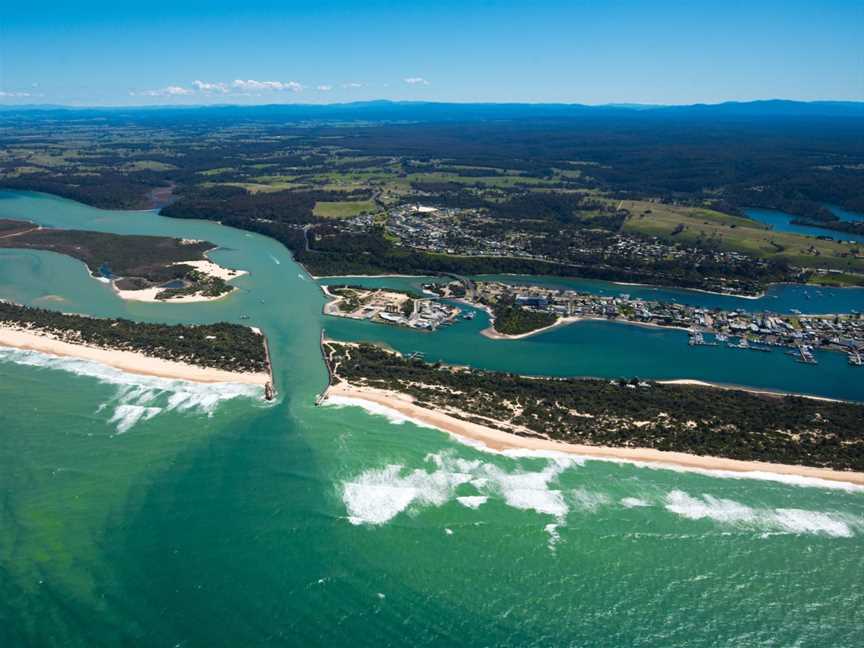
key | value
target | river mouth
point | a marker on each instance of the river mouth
(333, 526)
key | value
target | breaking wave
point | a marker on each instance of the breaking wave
(138, 398)
(780, 520)
(790, 480)
(389, 413)
(377, 496)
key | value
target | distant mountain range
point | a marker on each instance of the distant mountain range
(411, 111)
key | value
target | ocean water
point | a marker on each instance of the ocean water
(150, 512)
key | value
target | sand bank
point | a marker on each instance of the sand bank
(499, 440)
(128, 361)
(204, 266)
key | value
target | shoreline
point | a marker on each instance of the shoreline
(128, 361)
(498, 440)
(491, 333)
(362, 276)
(761, 295)
(752, 390)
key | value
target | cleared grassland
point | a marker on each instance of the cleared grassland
(734, 233)
(346, 209)
(486, 181)
(148, 165)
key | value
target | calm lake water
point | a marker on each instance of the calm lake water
(782, 222)
(150, 512)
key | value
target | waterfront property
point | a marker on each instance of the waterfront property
(388, 307)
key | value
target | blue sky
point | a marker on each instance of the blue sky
(157, 52)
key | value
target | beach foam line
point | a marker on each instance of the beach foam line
(139, 397)
(392, 415)
(479, 437)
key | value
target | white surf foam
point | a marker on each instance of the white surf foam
(395, 417)
(554, 535)
(472, 501)
(586, 500)
(126, 416)
(634, 502)
(378, 495)
(730, 512)
(138, 398)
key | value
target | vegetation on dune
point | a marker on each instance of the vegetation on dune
(230, 347)
(623, 413)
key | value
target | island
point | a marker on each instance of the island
(140, 268)
(208, 353)
(682, 423)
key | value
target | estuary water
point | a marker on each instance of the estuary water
(156, 513)
(782, 222)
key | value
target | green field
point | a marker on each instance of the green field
(735, 233)
(346, 209)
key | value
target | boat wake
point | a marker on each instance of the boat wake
(138, 398)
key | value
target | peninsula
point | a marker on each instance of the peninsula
(689, 425)
(140, 268)
(207, 353)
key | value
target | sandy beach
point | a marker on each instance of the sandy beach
(491, 333)
(499, 440)
(204, 266)
(128, 361)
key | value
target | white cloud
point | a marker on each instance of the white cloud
(324, 88)
(203, 86)
(15, 94)
(352, 85)
(169, 91)
(250, 85)
(416, 81)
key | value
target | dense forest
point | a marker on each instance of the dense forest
(624, 413)
(230, 347)
(780, 155)
(510, 319)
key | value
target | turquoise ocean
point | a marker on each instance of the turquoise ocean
(150, 512)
